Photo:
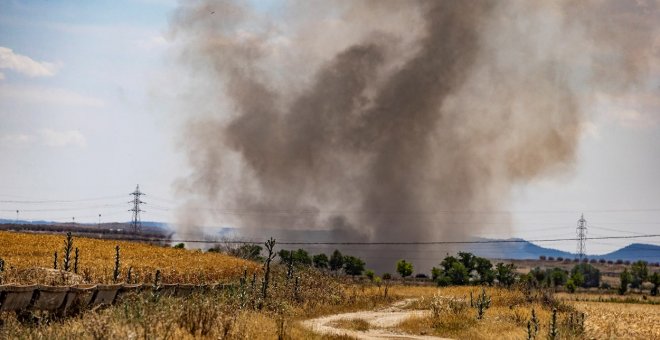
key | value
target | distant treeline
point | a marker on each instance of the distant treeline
(117, 231)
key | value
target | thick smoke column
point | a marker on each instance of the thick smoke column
(392, 120)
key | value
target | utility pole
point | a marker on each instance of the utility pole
(99, 220)
(582, 237)
(17, 216)
(136, 223)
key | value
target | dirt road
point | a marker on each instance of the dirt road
(380, 322)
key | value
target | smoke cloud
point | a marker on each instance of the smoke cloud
(393, 120)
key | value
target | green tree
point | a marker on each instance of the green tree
(297, 257)
(505, 273)
(370, 275)
(577, 279)
(404, 268)
(336, 261)
(625, 278)
(435, 273)
(590, 275)
(457, 274)
(353, 265)
(537, 275)
(570, 285)
(320, 261)
(640, 273)
(556, 277)
(655, 279)
(485, 270)
(467, 259)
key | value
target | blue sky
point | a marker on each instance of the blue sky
(85, 112)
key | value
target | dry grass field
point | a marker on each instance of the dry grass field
(243, 313)
(620, 320)
(24, 253)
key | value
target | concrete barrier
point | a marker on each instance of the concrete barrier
(16, 298)
(79, 296)
(49, 298)
(61, 299)
(168, 289)
(105, 295)
(183, 290)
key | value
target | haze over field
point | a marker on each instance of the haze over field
(378, 120)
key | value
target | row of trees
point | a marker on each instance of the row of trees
(465, 269)
(351, 265)
(638, 274)
(592, 260)
(581, 275)
(470, 269)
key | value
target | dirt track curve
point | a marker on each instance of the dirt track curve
(379, 322)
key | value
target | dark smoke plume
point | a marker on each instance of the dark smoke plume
(392, 120)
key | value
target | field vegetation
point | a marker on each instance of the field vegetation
(270, 294)
(28, 256)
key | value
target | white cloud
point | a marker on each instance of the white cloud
(64, 138)
(46, 95)
(25, 65)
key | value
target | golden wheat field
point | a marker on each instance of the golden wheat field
(25, 253)
(620, 320)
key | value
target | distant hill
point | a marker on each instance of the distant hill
(518, 249)
(526, 250)
(633, 252)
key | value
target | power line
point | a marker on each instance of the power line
(60, 201)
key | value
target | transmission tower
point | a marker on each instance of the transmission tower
(581, 237)
(136, 224)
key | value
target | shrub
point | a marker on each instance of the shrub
(640, 273)
(482, 303)
(559, 258)
(387, 276)
(336, 261)
(370, 275)
(593, 261)
(505, 274)
(353, 265)
(404, 268)
(619, 261)
(570, 285)
(542, 258)
(179, 246)
(551, 258)
(435, 273)
(610, 262)
(320, 261)
(655, 280)
(295, 257)
(590, 274)
(421, 276)
(601, 261)
(556, 277)
(625, 279)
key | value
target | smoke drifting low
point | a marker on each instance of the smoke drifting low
(391, 120)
